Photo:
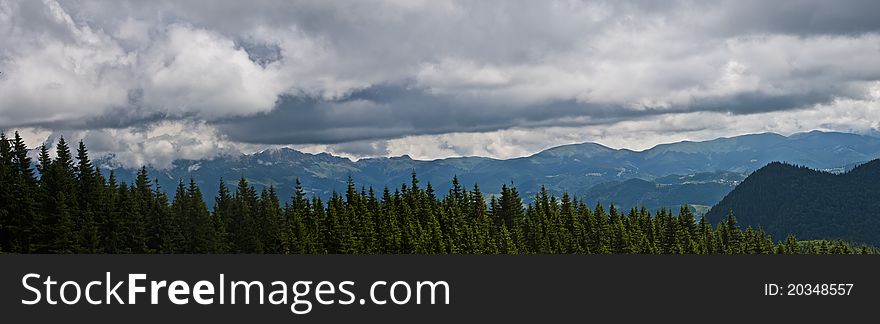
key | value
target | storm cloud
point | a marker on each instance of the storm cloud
(370, 78)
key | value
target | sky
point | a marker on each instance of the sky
(148, 82)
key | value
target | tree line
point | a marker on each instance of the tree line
(66, 205)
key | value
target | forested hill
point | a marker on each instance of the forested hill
(784, 198)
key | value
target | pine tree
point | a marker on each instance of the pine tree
(200, 231)
(299, 238)
(791, 245)
(163, 233)
(731, 234)
(131, 220)
(601, 230)
(390, 234)
(223, 217)
(508, 246)
(110, 227)
(270, 220)
(87, 201)
(574, 225)
(58, 230)
(137, 198)
(8, 230)
(244, 228)
(25, 220)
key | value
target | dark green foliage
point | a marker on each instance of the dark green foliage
(87, 195)
(6, 232)
(72, 208)
(18, 189)
(787, 199)
(58, 231)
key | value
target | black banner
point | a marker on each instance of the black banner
(493, 289)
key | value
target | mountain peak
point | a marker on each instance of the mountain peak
(735, 143)
(579, 149)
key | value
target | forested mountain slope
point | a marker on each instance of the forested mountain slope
(785, 198)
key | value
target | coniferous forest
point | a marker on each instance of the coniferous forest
(66, 205)
(822, 204)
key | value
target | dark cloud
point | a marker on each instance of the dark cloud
(390, 111)
(760, 102)
(804, 17)
(261, 53)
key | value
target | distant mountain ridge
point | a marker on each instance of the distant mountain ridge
(783, 198)
(700, 191)
(575, 168)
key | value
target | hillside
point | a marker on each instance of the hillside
(811, 204)
(671, 191)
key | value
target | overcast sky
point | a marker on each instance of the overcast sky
(154, 81)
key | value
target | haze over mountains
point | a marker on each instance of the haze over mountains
(698, 173)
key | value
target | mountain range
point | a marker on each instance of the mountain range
(784, 198)
(697, 173)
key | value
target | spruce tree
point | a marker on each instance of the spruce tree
(223, 217)
(23, 219)
(87, 187)
(7, 229)
(732, 234)
(57, 229)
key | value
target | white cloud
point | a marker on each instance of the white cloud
(198, 71)
(157, 144)
(46, 79)
(72, 73)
